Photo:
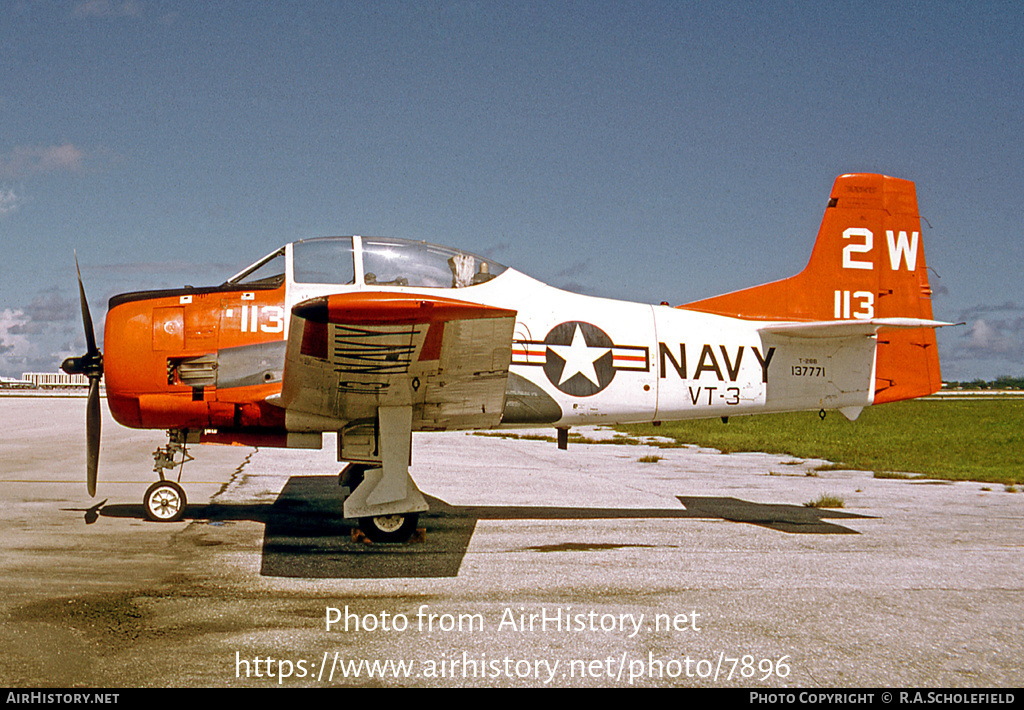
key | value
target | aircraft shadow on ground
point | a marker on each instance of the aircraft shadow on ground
(306, 537)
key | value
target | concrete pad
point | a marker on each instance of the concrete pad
(584, 567)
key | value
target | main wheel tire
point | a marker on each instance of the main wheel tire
(390, 528)
(164, 502)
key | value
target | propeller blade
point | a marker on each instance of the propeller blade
(90, 337)
(92, 432)
(90, 365)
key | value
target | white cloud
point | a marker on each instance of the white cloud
(27, 161)
(991, 344)
(37, 337)
(9, 201)
(983, 336)
(996, 330)
(15, 346)
(107, 8)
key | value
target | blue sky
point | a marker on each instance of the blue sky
(641, 150)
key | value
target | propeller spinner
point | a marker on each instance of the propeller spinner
(91, 365)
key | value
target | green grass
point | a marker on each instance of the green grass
(826, 500)
(975, 440)
(898, 475)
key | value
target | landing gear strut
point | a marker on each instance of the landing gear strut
(165, 500)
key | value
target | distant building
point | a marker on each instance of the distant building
(54, 380)
(9, 383)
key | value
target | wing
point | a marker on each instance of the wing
(351, 354)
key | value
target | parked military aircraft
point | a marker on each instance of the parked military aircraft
(375, 338)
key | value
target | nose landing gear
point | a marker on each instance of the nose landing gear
(165, 500)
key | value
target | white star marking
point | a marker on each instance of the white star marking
(579, 358)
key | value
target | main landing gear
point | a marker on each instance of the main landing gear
(379, 492)
(165, 500)
(395, 527)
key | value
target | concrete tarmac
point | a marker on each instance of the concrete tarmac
(585, 567)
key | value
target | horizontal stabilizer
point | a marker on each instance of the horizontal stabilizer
(847, 328)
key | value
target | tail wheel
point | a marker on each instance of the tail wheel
(164, 502)
(390, 528)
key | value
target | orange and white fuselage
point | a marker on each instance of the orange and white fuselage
(322, 333)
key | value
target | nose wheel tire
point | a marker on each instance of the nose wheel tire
(390, 528)
(164, 502)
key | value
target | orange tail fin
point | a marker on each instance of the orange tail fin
(868, 262)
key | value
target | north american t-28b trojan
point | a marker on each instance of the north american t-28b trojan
(376, 338)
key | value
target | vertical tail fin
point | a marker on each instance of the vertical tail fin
(868, 262)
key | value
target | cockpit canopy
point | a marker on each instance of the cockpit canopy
(373, 261)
